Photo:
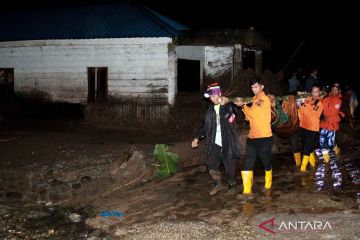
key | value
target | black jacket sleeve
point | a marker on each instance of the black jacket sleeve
(201, 132)
(230, 109)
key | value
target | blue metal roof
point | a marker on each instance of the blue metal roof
(117, 20)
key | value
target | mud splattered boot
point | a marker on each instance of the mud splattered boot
(232, 186)
(312, 159)
(297, 158)
(216, 178)
(326, 155)
(337, 151)
(268, 179)
(247, 178)
(304, 163)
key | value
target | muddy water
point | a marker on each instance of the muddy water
(328, 188)
(27, 220)
(341, 175)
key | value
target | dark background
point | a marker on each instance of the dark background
(328, 29)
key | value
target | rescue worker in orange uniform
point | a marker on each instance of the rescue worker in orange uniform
(259, 142)
(330, 123)
(309, 116)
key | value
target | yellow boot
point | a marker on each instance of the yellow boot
(247, 178)
(312, 159)
(268, 179)
(304, 163)
(297, 157)
(337, 151)
(326, 156)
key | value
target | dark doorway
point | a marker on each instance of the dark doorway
(249, 59)
(97, 84)
(6, 85)
(188, 75)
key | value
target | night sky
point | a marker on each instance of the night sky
(328, 29)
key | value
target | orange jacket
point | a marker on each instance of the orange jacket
(259, 116)
(332, 105)
(309, 114)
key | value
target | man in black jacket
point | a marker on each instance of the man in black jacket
(312, 79)
(222, 145)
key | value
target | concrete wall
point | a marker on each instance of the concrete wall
(190, 52)
(138, 68)
(219, 61)
(215, 62)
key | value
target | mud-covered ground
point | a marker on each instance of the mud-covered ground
(57, 176)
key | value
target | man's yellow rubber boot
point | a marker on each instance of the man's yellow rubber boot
(304, 163)
(312, 159)
(268, 179)
(247, 178)
(326, 156)
(337, 151)
(297, 157)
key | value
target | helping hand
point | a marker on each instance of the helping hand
(223, 100)
(195, 143)
(238, 102)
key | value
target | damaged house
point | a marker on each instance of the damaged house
(119, 52)
(219, 56)
(122, 61)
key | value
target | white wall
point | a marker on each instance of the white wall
(190, 52)
(218, 61)
(214, 61)
(172, 76)
(137, 67)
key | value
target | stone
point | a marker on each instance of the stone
(74, 217)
